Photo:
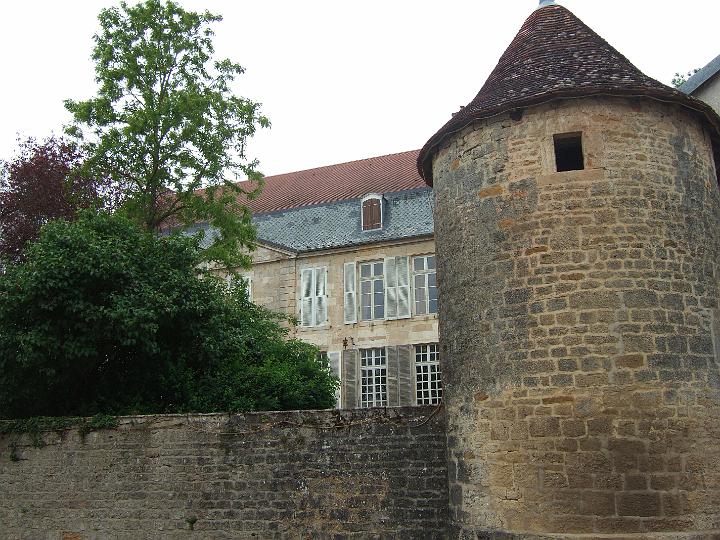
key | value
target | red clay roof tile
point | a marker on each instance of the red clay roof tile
(383, 174)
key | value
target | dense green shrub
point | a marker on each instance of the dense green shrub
(103, 317)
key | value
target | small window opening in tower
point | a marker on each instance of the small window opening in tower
(569, 152)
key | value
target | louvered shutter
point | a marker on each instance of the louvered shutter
(307, 293)
(335, 359)
(406, 374)
(390, 288)
(349, 379)
(372, 214)
(392, 376)
(320, 299)
(402, 266)
(376, 213)
(367, 215)
(350, 306)
(397, 287)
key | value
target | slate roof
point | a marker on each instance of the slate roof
(701, 77)
(406, 214)
(555, 55)
(343, 181)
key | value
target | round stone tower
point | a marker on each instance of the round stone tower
(577, 223)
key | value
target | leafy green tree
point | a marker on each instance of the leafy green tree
(165, 123)
(106, 317)
(679, 79)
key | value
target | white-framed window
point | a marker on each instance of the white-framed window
(373, 377)
(384, 289)
(371, 215)
(372, 290)
(425, 285)
(313, 296)
(428, 380)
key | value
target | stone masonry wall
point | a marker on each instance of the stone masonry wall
(372, 473)
(579, 324)
(276, 286)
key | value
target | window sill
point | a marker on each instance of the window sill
(322, 327)
(414, 318)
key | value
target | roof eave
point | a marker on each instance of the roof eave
(424, 161)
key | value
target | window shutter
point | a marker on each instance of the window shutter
(375, 214)
(406, 374)
(334, 358)
(390, 288)
(397, 288)
(349, 379)
(402, 265)
(366, 215)
(306, 297)
(320, 311)
(392, 376)
(371, 214)
(349, 293)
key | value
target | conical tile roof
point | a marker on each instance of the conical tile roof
(555, 55)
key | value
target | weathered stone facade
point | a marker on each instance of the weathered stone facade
(370, 473)
(579, 322)
(276, 285)
(275, 278)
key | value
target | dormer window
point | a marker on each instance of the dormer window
(372, 213)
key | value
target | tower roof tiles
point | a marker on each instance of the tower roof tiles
(555, 55)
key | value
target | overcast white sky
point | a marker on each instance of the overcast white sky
(339, 80)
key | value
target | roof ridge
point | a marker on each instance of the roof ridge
(333, 165)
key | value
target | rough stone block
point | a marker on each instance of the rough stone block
(598, 503)
(627, 446)
(544, 427)
(595, 300)
(630, 361)
(639, 504)
(636, 482)
(599, 426)
(640, 299)
(701, 345)
(573, 428)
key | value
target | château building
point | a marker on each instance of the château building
(348, 250)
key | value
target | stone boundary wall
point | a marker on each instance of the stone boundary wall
(372, 473)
